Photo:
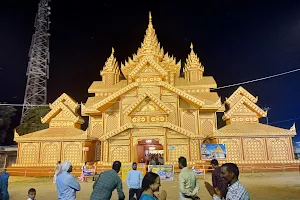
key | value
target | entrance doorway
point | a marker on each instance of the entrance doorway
(150, 152)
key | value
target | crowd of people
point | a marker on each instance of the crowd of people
(153, 159)
(225, 183)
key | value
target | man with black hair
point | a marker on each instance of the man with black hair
(236, 191)
(188, 183)
(107, 182)
(217, 181)
(134, 181)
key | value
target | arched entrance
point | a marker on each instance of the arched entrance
(150, 149)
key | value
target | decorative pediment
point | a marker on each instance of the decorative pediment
(244, 105)
(239, 93)
(148, 66)
(107, 102)
(62, 113)
(67, 100)
(148, 103)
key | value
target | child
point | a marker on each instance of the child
(31, 194)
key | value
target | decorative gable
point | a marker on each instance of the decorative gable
(148, 66)
(63, 113)
(244, 109)
(147, 104)
(239, 93)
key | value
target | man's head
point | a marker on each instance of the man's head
(67, 166)
(58, 162)
(230, 172)
(182, 162)
(31, 193)
(134, 166)
(214, 163)
(116, 166)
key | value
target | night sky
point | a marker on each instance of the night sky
(235, 42)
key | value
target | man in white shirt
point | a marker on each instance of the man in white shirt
(188, 183)
(134, 182)
(236, 191)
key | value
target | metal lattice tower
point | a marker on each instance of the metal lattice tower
(38, 65)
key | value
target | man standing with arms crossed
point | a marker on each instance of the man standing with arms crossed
(188, 183)
(134, 182)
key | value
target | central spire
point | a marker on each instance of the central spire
(150, 45)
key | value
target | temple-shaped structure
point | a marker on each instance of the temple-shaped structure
(152, 107)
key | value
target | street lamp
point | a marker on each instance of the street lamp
(266, 109)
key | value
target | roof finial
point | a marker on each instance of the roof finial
(112, 50)
(150, 17)
(192, 47)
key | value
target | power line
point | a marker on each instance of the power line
(287, 120)
(258, 79)
(20, 105)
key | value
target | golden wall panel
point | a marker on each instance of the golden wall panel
(50, 152)
(97, 129)
(189, 121)
(178, 141)
(29, 153)
(98, 151)
(207, 127)
(172, 117)
(180, 150)
(119, 142)
(254, 149)
(278, 149)
(169, 98)
(120, 153)
(173, 134)
(195, 150)
(122, 136)
(105, 151)
(233, 148)
(111, 121)
(72, 151)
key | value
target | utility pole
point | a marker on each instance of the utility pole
(39, 59)
(266, 109)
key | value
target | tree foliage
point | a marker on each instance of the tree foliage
(6, 114)
(32, 121)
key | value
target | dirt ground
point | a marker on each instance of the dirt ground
(261, 186)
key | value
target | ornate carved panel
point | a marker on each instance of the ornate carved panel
(233, 148)
(207, 127)
(29, 153)
(72, 151)
(105, 151)
(98, 151)
(119, 142)
(50, 152)
(173, 134)
(189, 121)
(254, 149)
(169, 98)
(97, 129)
(195, 149)
(120, 153)
(112, 121)
(144, 119)
(179, 150)
(172, 117)
(278, 148)
(178, 141)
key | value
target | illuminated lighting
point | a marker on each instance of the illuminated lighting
(151, 148)
(148, 141)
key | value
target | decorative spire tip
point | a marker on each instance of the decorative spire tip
(150, 17)
(192, 47)
(112, 50)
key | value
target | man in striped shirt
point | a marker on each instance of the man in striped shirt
(236, 191)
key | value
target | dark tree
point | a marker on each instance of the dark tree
(32, 121)
(6, 114)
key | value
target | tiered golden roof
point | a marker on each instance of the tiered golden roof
(111, 65)
(193, 62)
